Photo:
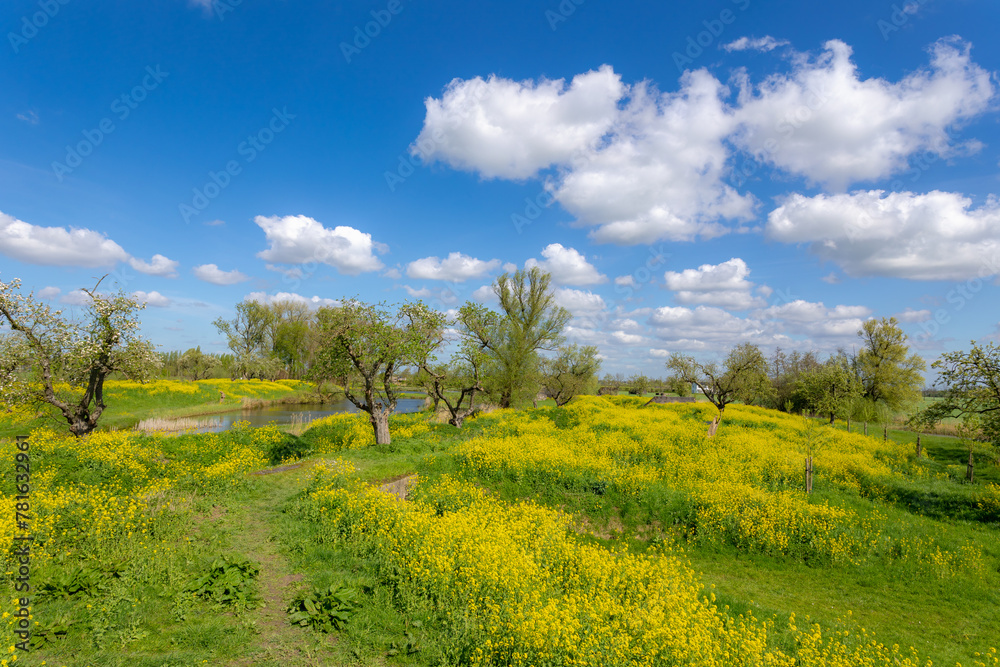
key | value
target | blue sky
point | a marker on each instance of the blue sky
(694, 175)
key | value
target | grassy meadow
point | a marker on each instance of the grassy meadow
(600, 533)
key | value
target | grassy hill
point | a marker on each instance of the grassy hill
(599, 533)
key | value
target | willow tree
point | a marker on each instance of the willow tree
(886, 370)
(49, 359)
(530, 321)
(362, 347)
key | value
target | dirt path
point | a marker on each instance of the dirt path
(256, 533)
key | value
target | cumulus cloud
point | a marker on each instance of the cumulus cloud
(658, 352)
(932, 236)
(484, 294)
(707, 324)
(765, 43)
(151, 298)
(278, 297)
(211, 273)
(660, 175)
(624, 281)
(625, 338)
(635, 164)
(456, 267)
(296, 239)
(512, 129)
(57, 246)
(49, 293)
(579, 302)
(76, 298)
(724, 285)
(815, 319)
(158, 266)
(913, 316)
(567, 266)
(824, 122)
(393, 274)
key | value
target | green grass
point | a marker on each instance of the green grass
(140, 620)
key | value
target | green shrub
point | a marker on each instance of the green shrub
(325, 610)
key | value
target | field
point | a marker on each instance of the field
(601, 533)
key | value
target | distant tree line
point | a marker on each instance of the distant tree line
(883, 377)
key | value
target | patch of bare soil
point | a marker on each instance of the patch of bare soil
(398, 486)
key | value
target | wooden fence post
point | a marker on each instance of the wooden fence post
(969, 473)
(809, 474)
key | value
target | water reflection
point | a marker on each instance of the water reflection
(285, 414)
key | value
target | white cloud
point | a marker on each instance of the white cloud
(393, 273)
(637, 171)
(211, 273)
(826, 123)
(422, 293)
(509, 267)
(729, 275)
(313, 301)
(579, 302)
(152, 298)
(625, 338)
(31, 118)
(831, 278)
(660, 174)
(158, 266)
(567, 266)
(724, 285)
(913, 316)
(625, 281)
(215, 223)
(484, 294)
(57, 246)
(704, 323)
(77, 297)
(49, 293)
(510, 129)
(658, 352)
(297, 239)
(456, 267)
(292, 273)
(932, 236)
(765, 43)
(815, 319)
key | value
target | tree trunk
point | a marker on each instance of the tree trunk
(832, 415)
(866, 428)
(848, 424)
(969, 475)
(457, 420)
(380, 422)
(918, 446)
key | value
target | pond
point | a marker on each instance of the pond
(286, 414)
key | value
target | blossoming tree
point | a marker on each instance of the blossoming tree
(46, 358)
